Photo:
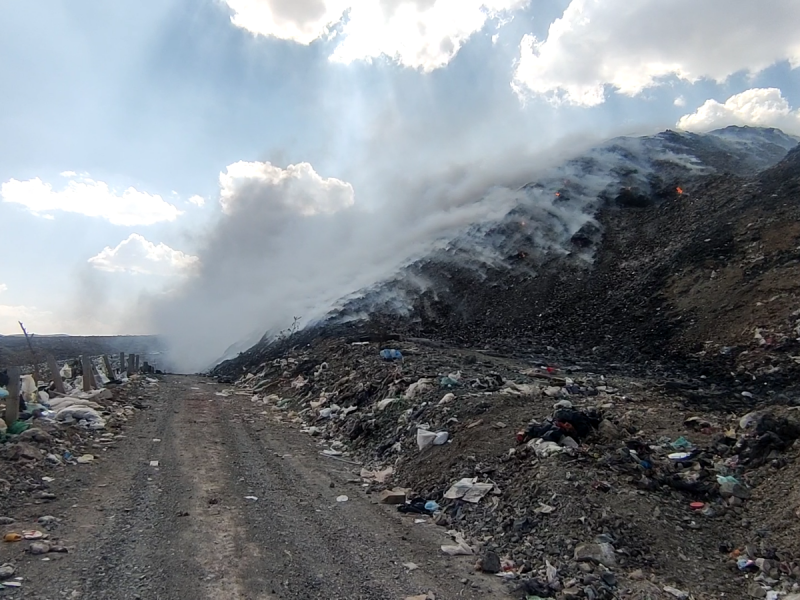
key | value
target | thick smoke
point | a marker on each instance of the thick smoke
(292, 243)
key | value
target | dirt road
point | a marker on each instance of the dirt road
(237, 508)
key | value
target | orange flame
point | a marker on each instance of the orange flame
(679, 190)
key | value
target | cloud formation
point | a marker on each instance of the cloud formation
(3, 288)
(10, 315)
(140, 256)
(628, 47)
(297, 187)
(197, 200)
(421, 34)
(758, 107)
(91, 198)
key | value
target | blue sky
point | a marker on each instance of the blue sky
(162, 96)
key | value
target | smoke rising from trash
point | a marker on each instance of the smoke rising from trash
(294, 243)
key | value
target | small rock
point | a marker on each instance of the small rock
(7, 521)
(754, 590)
(36, 435)
(39, 548)
(47, 520)
(85, 459)
(675, 592)
(490, 562)
(7, 571)
(637, 575)
(607, 430)
(609, 579)
(46, 496)
(22, 451)
(571, 593)
(602, 553)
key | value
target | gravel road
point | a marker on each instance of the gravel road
(238, 507)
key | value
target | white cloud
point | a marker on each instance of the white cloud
(297, 187)
(680, 101)
(421, 34)
(68, 174)
(763, 107)
(3, 287)
(91, 198)
(10, 315)
(197, 200)
(630, 46)
(137, 255)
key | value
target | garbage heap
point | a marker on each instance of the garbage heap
(567, 482)
(56, 429)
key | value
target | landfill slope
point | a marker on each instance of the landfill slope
(666, 317)
(669, 249)
(591, 482)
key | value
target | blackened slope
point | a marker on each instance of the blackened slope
(617, 285)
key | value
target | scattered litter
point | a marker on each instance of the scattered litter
(153, 463)
(468, 490)
(378, 476)
(342, 498)
(253, 498)
(460, 548)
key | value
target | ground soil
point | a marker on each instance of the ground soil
(185, 529)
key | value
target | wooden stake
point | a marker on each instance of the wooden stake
(55, 373)
(130, 365)
(12, 402)
(121, 363)
(33, 355)
(135, 363)
(86, 366)
(109, 370)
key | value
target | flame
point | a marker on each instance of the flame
(558, 194)
(679, 190)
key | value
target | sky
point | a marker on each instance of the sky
(209, 169)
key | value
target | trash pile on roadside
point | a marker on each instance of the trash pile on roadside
(54, 432)
(553, 478)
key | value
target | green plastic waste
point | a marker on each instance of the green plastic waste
(18, 427)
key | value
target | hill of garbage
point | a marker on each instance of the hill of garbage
(596, 395)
